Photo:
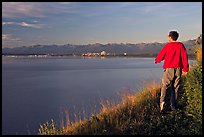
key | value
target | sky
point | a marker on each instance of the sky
(78, 23)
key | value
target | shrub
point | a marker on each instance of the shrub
(193, 99)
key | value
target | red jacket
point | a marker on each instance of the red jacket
(174, 55)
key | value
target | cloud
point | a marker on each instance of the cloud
(21, 9)
(35, 21)
(152, 7)
(5, 37)
(33, 9)
(24, 24)
(127, 4)
(9, 40)
(65, 3)
(8, 37)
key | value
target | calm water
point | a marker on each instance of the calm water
(36, 90)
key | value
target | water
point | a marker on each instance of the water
(36, 90)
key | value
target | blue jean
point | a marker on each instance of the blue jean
(171, 78)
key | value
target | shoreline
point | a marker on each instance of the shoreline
(192, 57)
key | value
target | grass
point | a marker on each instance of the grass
(139, 114)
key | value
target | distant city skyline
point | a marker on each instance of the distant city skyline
(78, 23)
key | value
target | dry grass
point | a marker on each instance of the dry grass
(198, 52)
(116, 118)
(113, 118)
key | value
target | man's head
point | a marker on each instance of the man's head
(173, 36)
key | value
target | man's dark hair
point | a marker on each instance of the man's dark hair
(174, 35)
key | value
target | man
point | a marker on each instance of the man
(175, 59)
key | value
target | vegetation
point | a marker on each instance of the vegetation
(193, 94)
(139, 114)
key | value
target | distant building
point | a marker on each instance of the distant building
(103, 53)
(90, 54)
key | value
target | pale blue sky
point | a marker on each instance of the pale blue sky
(31, 23)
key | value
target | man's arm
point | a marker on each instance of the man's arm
(161, 55)
(184, 60)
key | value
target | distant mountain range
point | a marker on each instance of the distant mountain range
(111, 48)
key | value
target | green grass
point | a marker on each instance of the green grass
(139, 114)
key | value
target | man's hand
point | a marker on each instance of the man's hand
(184, 73)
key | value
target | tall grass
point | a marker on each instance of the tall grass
(198, 52)
(113, 118)
(193, 97)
